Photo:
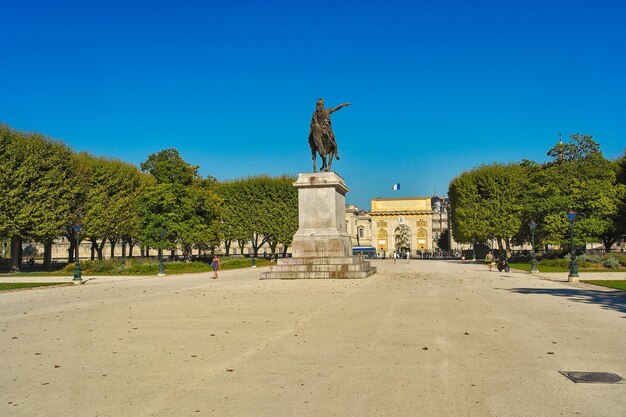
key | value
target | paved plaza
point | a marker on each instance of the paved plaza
(423, 338)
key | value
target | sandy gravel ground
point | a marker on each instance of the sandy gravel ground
(424, 338)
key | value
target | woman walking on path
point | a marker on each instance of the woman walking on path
(216, 265)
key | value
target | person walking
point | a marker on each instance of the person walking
(216, 265)
(489, 260)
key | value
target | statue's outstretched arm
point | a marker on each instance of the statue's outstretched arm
(340, 107)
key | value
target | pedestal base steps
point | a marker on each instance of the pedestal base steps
(322, 247)
(348, 267)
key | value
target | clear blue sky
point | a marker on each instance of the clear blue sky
(437, 87)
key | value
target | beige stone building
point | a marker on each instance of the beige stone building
(359, 226)
(402, 224)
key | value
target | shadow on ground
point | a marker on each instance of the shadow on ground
(610, 300)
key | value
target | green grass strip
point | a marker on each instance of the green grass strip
(617, 284)
(6, 286)
(141, 267)
(549, 268)
(541, 268)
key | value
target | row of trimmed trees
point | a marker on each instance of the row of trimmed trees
(46, 189)
(498, 201)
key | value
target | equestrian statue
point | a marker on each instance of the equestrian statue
(321, 136)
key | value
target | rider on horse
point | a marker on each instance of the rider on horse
(321, 118)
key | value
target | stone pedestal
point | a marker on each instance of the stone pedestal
(321, 247)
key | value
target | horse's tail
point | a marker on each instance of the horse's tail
(316, 137)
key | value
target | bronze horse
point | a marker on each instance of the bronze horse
(321, 143)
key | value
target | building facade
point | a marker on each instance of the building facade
(412, 224)
(359, 226)
(402, 225)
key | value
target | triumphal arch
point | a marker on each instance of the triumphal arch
(402, 224)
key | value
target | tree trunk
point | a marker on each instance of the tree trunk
(608, 242)
(187, 252)
(285, 246)
(147, 252)
(256, 245)
(242, 245)
(16, 244)
(112, 242)
(47, 254)
(124, 248)
(130, 248)
(100, 249)
(227, 246)
(500, 247)
(94, 245)
(273, 245)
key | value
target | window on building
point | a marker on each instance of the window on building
(361, 232)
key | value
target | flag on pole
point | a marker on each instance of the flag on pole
(396, 187)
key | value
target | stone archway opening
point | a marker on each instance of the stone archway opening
(402, 235)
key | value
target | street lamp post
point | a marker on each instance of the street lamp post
(161, 266)
(473, 249)
(573, 265)
(533, 257)
(449, 228)
(77, 280)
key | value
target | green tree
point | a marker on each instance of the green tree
(172, 215)
(167, 167)
(287, 212)
(503, 199)
(581, 147)
(109, 211)
(617, 231)
(280, 216)
(487, 200)
(180, 206)
(260, 210)
(36, 183)
(585, 182)
(273, 209)
(236, 223)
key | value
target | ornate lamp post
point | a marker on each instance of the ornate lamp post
(533, 258)
(573, 265)
(161, 266)
(77, 274)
